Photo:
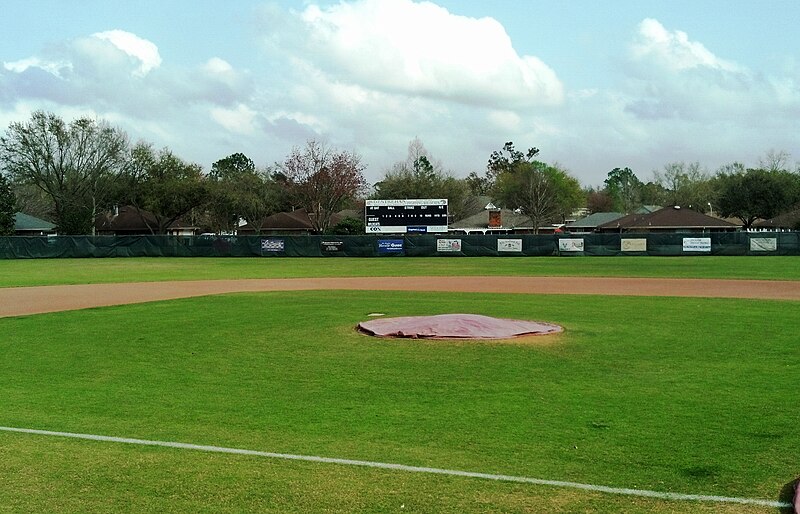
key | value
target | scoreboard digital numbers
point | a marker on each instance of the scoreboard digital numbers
(406, 216)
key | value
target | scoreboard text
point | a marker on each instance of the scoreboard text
(406, 216)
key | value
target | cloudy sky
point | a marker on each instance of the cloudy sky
(594, 85)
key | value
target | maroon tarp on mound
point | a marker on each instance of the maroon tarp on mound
(797, 496)
(466, 326)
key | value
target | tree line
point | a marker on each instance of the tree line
(70, 172)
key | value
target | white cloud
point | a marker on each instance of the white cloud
(218, 66)
(674, 50)
(421, 49)
(240, 120)
(672, 76)
(52, 67)
(505, 120)
(143, 50)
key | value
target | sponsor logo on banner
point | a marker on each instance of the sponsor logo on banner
(570, 245)
(417, 229)
(390, 245)
(448, 245)
(330, 246)
(763, 244)
(509, 245)
(634, 245)
(696, 244)
(272, 245)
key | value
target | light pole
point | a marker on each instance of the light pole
(712, 209)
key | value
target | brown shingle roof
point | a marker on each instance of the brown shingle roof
(124, 220)
(668, 218)
(788, 220)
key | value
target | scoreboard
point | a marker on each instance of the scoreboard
(406, 216)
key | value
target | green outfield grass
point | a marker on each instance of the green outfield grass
(86, 271)
(670, 394)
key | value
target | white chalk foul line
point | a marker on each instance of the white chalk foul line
(412, 469)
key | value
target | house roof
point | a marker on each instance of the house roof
(297, 220)
(27, 223)
(509, 218)
(593, 220)
(347, 213)
(474, 205)
(668, 218)
(123, 219)
(128, 218)
(787, 220)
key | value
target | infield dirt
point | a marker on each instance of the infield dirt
(19, 301)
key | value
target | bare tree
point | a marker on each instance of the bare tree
(422, 176)
(684, 184)
(74, 164)
(324, 180)
(774, 160)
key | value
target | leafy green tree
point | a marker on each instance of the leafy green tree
(75, 164)
(569, 194)
(477, 185)
(499, 161)
(624, 188)
(756, 194)
(323, 180)
(164, 185)
(653, 193)
(239, 190)
(232, 166)
(7, 207)
(349, 226)
(508, 159)
(542, 192)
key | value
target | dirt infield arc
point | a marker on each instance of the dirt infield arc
(18, 301)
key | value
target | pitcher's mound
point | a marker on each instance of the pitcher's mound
(455, 326)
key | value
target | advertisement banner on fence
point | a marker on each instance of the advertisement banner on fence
(570, 245)
(272, 246)
(331, 246)
(448, 245)
(509, 245)
(763, 244)
(390, 245)
(696, 244)
(634, 245)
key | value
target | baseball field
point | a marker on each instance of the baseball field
(240, 385)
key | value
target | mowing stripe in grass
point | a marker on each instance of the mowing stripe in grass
(413, 469)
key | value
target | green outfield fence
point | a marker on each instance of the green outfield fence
(427, 245)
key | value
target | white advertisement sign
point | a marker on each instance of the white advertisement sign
(634, 245)
(448, 245)
(570, 245)
(763, 244)
(509, 245)
(696, 244)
